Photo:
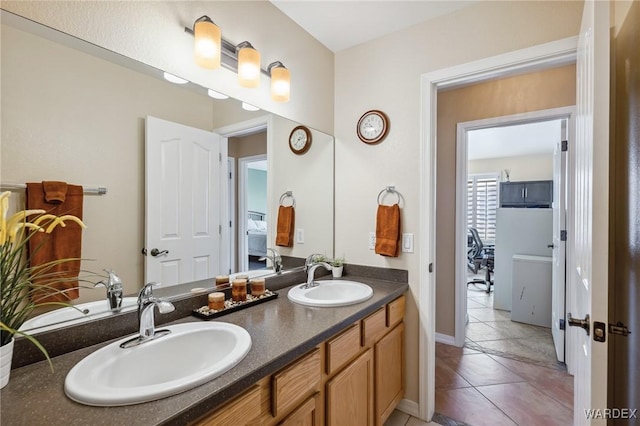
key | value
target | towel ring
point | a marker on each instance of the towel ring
(391, 189)
(288, 194)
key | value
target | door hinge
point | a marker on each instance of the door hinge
(220, 157)
(619, 329)
(230, 224)
(561, 325)
(564, 146)
(563, 235)
(431, 267)
(219, 229)
(230, 176)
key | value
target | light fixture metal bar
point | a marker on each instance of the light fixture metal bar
(229, 57)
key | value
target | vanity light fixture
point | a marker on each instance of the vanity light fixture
(248, 65)
(174, 79)
(212, 51)
(208, 42)
(216, 95)
(280, 81)
(249, 107)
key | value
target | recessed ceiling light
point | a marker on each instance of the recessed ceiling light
(216, 95)
(249, 107)
(172, 78)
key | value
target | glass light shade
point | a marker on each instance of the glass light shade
(216, 95)
(280, 84)
(249, 67)
(174, 78)
(208, 40)
(249, 107)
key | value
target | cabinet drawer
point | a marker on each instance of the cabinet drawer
(237, 412)
(343, 348)
(373, 327)
(395, 311)
(307, 414)
(295, 382)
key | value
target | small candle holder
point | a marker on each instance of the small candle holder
(239, 290)
(216, 301)
(257, 287)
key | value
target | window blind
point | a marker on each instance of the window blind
(482, 204)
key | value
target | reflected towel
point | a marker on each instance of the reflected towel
(286, 223)
(54, 192)
(62, 243)
(388, 230)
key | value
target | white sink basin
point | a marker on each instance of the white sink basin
(82, 312)
(194, 353)
(331, 293)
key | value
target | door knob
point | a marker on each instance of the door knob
(155, 252)
(582, 323)
(550, 246)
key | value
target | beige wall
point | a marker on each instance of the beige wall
(524, 93)
(72, 117)
(385, 74)
(529, 167)
(153, 33)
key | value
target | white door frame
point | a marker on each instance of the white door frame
(462, 146)
(525, 60)
(231, 164)
(236, 130)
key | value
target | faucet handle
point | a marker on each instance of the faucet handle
(147, 291)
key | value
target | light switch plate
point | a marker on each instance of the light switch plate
(407, 243)
(372, 240)
(300, 235)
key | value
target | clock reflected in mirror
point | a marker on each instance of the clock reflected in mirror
(300, 140)
(373, 126)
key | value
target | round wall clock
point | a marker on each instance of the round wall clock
(300, 140)
(372, 126)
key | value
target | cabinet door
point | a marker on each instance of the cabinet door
(350, 394)
(307, 414)
(389, 373)
(539, 194)
(511, 194)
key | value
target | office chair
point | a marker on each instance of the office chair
(480, 256)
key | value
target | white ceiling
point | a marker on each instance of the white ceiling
(343, 24)
(514, 141)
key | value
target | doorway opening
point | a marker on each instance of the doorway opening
(510, 269)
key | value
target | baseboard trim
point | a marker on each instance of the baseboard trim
(409, 407)
(446, 339)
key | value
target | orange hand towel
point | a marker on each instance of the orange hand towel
(388, 230)
(62, 243)
(54, 192)
(286, 223)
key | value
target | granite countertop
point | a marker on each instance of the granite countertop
(281, 331)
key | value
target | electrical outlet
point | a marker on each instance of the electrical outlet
(372, 240)
(300, 236)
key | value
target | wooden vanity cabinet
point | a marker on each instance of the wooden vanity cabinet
(350, 394)
(354, 378)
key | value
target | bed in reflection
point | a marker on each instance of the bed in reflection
(257, 233)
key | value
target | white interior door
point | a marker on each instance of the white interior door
(182, 195)
(588, 266)
(559, 246)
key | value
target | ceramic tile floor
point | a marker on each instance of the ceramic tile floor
(506, 374)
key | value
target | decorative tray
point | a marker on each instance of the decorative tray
(230, 306)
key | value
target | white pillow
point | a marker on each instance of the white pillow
(262, 225)
(252, 225)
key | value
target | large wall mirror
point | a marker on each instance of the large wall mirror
(72, 111)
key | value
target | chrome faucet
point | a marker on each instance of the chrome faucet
(146, 303)
(311, 259)
(311, 272)
(114, 289)
(276, 260)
